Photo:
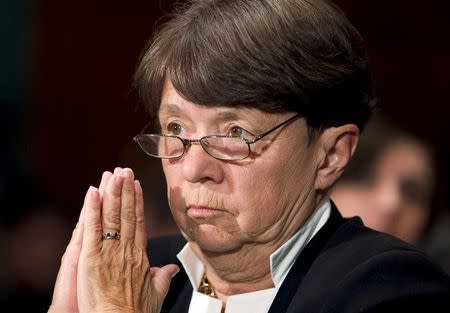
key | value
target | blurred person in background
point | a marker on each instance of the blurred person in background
(390, 183)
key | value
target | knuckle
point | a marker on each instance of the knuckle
(128, 188)
(129, 215)
(112, 218)
(113, 194)
(140, 225)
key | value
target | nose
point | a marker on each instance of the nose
(199, 166)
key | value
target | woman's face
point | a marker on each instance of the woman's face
(224, 205)
(395, 196)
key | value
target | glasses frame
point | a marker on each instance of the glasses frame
(187, 143)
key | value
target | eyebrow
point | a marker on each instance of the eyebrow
(169, 109)
(227, 115)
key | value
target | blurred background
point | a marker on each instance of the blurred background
(68, 112)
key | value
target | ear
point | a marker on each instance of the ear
(337, 145)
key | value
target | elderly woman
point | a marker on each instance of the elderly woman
(257, 108)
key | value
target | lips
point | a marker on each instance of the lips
(198, 211)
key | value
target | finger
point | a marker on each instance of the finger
(141, 231)
(77, 235)
(105, 178)
(80, 225)
(127, 210)
(76, 240)
(162, 278)
(111, 204)
(64, 295)
(117, 170)
(92, 234)
(154, 270)
(65, 292)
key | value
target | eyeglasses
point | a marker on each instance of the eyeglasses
(222, 147)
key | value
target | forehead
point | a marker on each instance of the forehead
(408, 156)
(173, 104)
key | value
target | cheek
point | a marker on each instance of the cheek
(265, 196)
(246, 192)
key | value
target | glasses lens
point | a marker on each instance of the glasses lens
(226, 148)
(161, 146)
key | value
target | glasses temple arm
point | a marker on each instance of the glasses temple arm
(260, 136)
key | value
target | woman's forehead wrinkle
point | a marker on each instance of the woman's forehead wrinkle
(219, 114)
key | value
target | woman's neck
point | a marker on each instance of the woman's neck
(248, 268)
(242, 271)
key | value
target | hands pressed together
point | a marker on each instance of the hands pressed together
(111, 275)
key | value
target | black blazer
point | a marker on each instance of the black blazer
(346, 267)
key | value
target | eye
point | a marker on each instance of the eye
(175, 129)
(239, 132)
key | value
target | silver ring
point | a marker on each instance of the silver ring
(111, 235)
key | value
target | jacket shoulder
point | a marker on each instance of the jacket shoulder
(365, 270)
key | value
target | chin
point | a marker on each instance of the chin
(210, 238)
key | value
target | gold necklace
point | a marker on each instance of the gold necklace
(206, 287)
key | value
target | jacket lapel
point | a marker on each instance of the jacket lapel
(292, 282)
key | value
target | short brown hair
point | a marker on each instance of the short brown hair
(275, 55)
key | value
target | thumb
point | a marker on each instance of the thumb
(162, 278)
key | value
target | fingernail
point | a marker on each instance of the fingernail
(127, 172)
(138, 186)
(175, 272)
(93, 192)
